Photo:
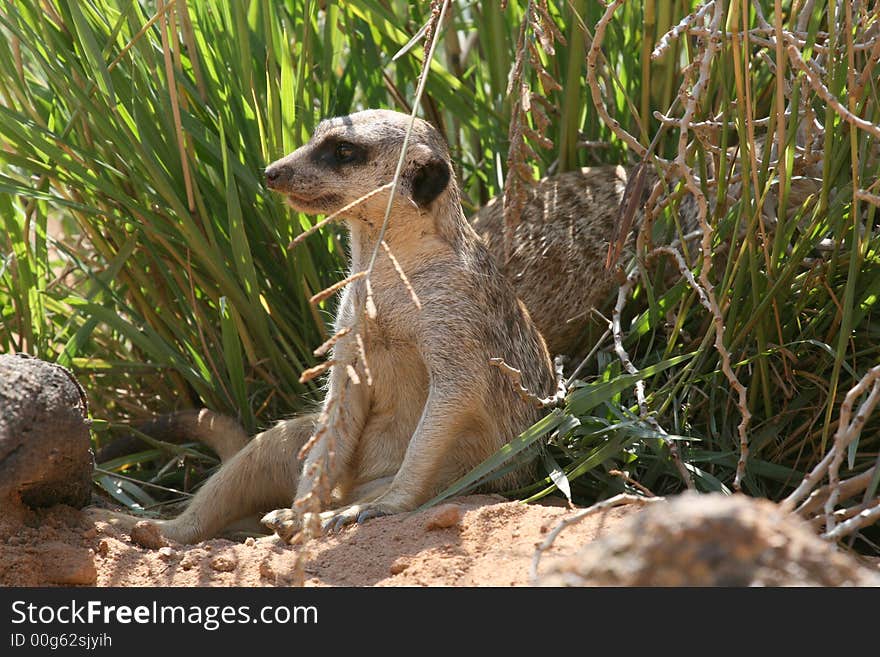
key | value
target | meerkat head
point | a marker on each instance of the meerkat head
(351, 156)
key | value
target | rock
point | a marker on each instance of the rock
(190, 559)
(67, 565)
(223, 563)
(710, 540)
(266, 570)
(167, 553)
(45, 455)
(399, 566)
(444, 516)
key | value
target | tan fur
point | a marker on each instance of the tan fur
(436, 408)
(557, 259)
(559, 247)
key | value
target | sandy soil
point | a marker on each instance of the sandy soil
(471, 541)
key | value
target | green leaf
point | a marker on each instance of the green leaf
(525, 440)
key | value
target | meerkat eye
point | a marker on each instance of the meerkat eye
(344, 152)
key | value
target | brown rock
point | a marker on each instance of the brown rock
(45, 452)
(444, 516)
(223, 563)
(189, 560)
(266, 571)
(398, 566)
(68, 565)
(710, 540)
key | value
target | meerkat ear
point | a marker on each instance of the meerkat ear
(429, 176)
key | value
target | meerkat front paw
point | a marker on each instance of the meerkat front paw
(284, 522)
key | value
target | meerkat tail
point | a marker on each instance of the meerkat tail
(222, 434)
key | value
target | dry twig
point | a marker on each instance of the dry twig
(515, 376)
(610, 503)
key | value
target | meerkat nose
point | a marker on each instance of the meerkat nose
(278, 175)
(273, 174)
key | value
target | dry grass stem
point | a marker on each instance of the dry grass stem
(339, 214)
(632, 482)
(317, 370)
(324, 348)
(333, 289)
(403, 277)
(516, 378)
(362, 355)
(310, 506)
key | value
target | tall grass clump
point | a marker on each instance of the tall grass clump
(142, 249)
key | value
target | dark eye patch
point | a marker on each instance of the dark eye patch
(335, 153)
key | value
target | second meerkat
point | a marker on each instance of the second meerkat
(557, 260)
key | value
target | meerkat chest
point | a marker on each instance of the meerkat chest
(397, 371)
(383, 342)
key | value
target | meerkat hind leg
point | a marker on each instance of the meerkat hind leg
(262, 475)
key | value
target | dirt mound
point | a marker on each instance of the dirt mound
(471, 541)
(45, 547)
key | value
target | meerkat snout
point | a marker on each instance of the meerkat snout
(273, 176)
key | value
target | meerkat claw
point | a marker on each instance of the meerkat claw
(339, 520)
(370, 512)
(336, 523)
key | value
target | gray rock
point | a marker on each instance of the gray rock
(45, 453)
(710, 540)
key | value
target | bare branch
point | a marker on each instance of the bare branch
(817, 85)
(645, 414)
(610, 503)
(705, 60)
(516, 377)
(598, 101)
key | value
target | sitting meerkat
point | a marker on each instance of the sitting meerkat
(557, 262)
(420, 405)
(559, 247)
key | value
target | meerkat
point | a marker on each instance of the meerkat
(416, 406)
(557, 260)
(558, 249)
